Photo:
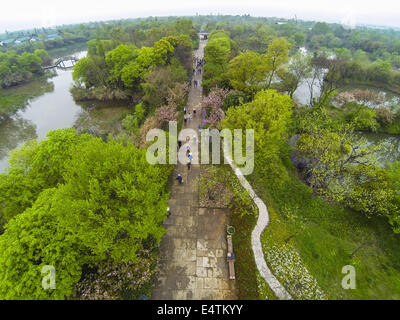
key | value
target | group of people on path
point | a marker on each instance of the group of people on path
(189, 162)
(197, 70)
(199, 62)
(188, 117)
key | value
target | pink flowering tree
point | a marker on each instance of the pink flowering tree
(216, 116)
(215, 102)
(167, 113)
(215, 99)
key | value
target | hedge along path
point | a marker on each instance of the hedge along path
(262, 222)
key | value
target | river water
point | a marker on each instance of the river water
(53, 110)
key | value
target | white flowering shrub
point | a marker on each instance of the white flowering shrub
(287, 265)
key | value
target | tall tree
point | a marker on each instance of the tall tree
(247, 72)
(277, 55)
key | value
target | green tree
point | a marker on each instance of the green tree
(117, 59)
(107, 206)
(247, 72)
(343, 54)
(216, 55)
(363, 117)
(321, 28)
(298, 70)
(341, 166)
(118, 35)
(43, 55)
(277, 54)
(299, 38)
(163, 51)
(380, 71)
(360, 56)
(33, 168)
(160, 81)
(269, 114)
(30, 62)
(92, 71)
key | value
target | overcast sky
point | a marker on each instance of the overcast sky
(21, 14)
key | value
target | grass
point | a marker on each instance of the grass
(15, 98)
(106, 118)
(250, 285)
(341, 114)
(245, 265)
(327, 237)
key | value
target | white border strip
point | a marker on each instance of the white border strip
(262, 223)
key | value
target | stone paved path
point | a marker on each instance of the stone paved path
(193, 251)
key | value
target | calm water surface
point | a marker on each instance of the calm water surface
(52, 110)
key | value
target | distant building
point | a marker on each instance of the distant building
(7, 42)
(21, 40)
(52, 36)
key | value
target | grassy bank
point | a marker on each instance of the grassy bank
(250, 285)
(394, 89)
(346, 114)
(15, 98)
(309, 241)
(67, 50)
(106, 118)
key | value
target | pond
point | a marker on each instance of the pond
(390, 143)
(51, 110)
(390, 146)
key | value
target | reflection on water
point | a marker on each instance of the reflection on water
(12, 132)
(303, 92)
(390, 146)
(53, 110)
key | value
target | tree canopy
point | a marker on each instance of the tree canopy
(101, 201)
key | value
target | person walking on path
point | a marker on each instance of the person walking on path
(190, 156)
(179, 178)
(168, 212)
(189, 117)
(187, 150)
(184, 110)
(189, 164)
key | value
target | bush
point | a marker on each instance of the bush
(363, 117)
(234, 99)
